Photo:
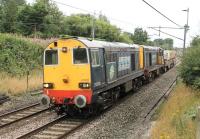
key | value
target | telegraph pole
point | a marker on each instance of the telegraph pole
(186, 28)
(93, 27)
(35, 31)
(159, 31)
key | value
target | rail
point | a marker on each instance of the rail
(20, 114)
(57, 129)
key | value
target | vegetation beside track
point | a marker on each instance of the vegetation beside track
(190, 65)
(13, 85)
(19, 58)
(176, 118)
(17, 55)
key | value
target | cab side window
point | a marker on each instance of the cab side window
(95, 58)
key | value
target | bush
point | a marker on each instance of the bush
(190, 66)
(17, 55)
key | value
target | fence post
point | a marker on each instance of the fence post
(198, 124)
(27, 81)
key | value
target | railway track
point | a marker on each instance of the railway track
(55, 129)
(63, 126)
(3, 99)
(162, 98)
(20, 114)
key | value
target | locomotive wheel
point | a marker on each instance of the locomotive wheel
(134, 86)
(139, 84)
(116, 96)
(150, 77)
(153, 76)
(94, 110)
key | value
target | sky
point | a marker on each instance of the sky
(129, 14)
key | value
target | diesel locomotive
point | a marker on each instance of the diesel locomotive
(83, 76)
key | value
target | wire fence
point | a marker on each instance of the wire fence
(198, 124)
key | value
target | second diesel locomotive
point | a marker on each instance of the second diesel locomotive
(82, 75)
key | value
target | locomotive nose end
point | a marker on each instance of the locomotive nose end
(45, 100)
(80, 101)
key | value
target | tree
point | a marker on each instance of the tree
(105, 30)
(103, 18)
(165, 44)
(140, 36)
(126, 37)
(78, 25)
(196, 41)
(40, 18)
(190, 64)
(52, 21)
(31, 18)
(169, 43)
(81, 25)
(158, 42)
(8, 14)
(149, 43)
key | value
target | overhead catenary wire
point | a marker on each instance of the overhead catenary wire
(167, 27)
(92, 13)
(36, 26)
(87, 11)
(168, 34)
(161, 13)
(111, 18)
(32, 24)
(77, 8)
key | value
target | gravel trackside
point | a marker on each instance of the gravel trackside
(17, 102)
(127, 120)
(20, 128)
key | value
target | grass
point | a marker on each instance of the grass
(16, 86)
(19, 54)
(176, 118)
(42, 42)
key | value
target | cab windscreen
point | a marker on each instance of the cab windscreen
(80, 56)
(51, 57)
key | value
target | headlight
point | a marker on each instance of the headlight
(64, 49)
(48, 85)
(84, 85)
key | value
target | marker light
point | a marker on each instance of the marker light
(84, 85)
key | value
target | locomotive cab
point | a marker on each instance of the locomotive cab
(67, 78)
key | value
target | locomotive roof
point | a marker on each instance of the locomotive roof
(104, 44)
(152, 47)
